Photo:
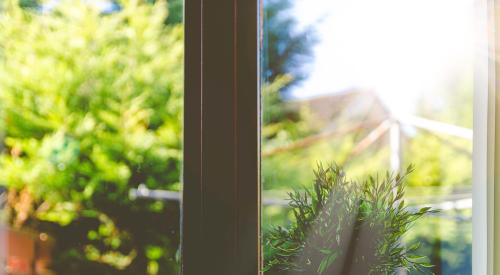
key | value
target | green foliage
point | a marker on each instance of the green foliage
(90, 107)
(28, 3)
(447, 242)
(286, 50)
(441, 162)
(175, 12)
(346, 227)
(281, 123)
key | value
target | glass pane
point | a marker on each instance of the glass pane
(367, 136)
(90, 121)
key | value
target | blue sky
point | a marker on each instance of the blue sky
(105, 6)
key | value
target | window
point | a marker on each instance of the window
(437, 123)
(368, 87)
(281, 96)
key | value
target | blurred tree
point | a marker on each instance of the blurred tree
(286, 52)
(28, 3)
(286, 49)
(175, 11)
(91, 106)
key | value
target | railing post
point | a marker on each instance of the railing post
(396, 146)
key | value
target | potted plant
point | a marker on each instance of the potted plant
(346, 227)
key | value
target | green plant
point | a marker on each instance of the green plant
(281, 124)
(91, 106)
(346, 227)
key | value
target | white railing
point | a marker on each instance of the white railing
(392, 126)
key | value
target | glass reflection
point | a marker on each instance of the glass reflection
(353, 90)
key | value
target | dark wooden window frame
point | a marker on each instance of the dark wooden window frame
(221, 201)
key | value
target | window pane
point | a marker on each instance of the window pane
(90, 120)
(356, 93)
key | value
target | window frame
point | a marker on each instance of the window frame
(221, 197)
(494, 137)
(486, 158)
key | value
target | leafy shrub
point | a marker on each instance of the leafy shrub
(91, 106)
(346, 227)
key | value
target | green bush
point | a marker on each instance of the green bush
(91, 106)
(344, 227)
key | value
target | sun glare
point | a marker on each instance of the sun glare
(402, 49)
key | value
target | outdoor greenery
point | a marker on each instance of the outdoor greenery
(440, 170)
(286, 49)
(443, 170)
(91, 106)
(281, 124)
(346, 227)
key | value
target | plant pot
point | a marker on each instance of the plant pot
(24, 252)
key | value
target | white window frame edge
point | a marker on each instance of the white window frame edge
(485, 126)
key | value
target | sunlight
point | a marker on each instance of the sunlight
(402, 49)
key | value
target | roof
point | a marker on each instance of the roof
(349, 106)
